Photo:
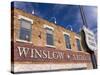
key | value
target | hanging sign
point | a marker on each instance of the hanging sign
(89, 39)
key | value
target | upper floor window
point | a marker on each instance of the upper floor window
(49, 36)
(67, 41)
(78, 44)
(25, 29)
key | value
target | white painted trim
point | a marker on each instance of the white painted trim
(23, 17)
(77, 37)
(66, 33)
(46, 26)
(68, 49)
(23, 41)
(50, 46)
(69, 39)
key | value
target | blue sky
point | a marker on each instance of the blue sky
(66, 15)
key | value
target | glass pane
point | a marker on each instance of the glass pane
(49, 39)
(78, 44)
(67, 41)
(25, 24)
(25, 34)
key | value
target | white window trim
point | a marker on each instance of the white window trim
(23, 41)
(77, 37)
(50, 46)
(68, 49)
(46, 26)
(65, 33)
(25, 18)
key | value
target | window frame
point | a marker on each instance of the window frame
(49, 27)
(76, 37)
(29, 20)
(65, 33)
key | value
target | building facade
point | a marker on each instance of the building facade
(40, 45)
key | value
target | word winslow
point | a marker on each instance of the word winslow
(37, 53)
(23, 52)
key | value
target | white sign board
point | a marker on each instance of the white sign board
(90, 39)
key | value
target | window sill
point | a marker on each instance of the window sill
(80, 51)
(50, 46)
(23, 41)
(69, 49)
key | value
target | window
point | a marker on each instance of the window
(67, 41)
(78, 44)
(49, 37)
(25, 30)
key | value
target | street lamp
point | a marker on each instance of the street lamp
(33, 12)
(70, 27)
(54, 19)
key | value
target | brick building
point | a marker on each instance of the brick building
(40, 45)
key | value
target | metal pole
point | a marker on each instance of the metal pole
(93, 57)
(83, 16)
